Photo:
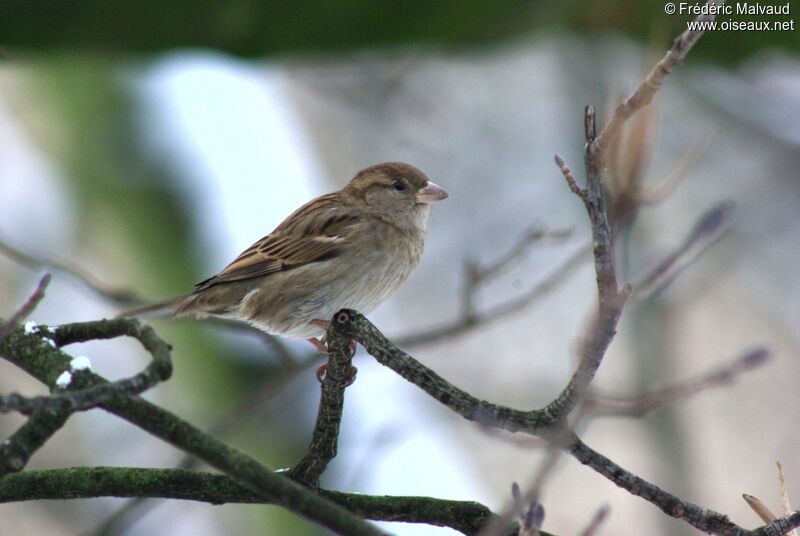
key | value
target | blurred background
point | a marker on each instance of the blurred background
(149, 143)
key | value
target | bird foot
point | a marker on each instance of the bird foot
(320, 344)
(322, 324)
(351, 374)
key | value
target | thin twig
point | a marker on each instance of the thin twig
(597, 520)
(115, 295)
(570, 178)
(787, 507)
(26, 308)
(758, 506)
(610, 299)
(708, 229)
(528, 500)
(639, 405)
(482, 274)
(701, 518)
(465, 324)
(477, 275)
(647, 89)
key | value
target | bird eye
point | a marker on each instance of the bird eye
(399, 186)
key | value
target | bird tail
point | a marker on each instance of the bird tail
(165, 307)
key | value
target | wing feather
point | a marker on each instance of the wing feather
(314, 232)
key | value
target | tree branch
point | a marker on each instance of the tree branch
(355, 326)
(117, 296)
(44, 363)
(329, 415)
(159, 369)
(610, 299)
(88, 482)
(699, 517)
(30, 437)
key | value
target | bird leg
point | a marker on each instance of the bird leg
(322, 347)
(351, 374)
(320, 344)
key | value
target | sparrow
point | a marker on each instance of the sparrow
(348, 249)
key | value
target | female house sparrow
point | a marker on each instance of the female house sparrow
(348, 249)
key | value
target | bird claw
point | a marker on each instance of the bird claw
(320, 344)
(351, 374)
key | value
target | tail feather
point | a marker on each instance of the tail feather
(165, 307)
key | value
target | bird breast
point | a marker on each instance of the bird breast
(366, 273)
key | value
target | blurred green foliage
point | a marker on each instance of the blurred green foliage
(256, 28)
(134, 221)
(133, 214)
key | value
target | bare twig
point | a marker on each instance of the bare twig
(647, 89)
(26, 308)
(527, 506)
(610, 299)
(787, 507)
(701, 518)
(117, 296)
(595, 204)
(534, 235)
(466, 323)
(639, 405)
(597, 520)
(570, 178)
(767, 516)
(708, 229)
(759, 508)
(477, 275)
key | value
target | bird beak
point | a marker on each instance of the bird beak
(431, 194)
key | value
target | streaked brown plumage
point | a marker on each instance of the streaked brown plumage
(352, 248)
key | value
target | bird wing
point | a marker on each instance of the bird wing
(315, 232)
